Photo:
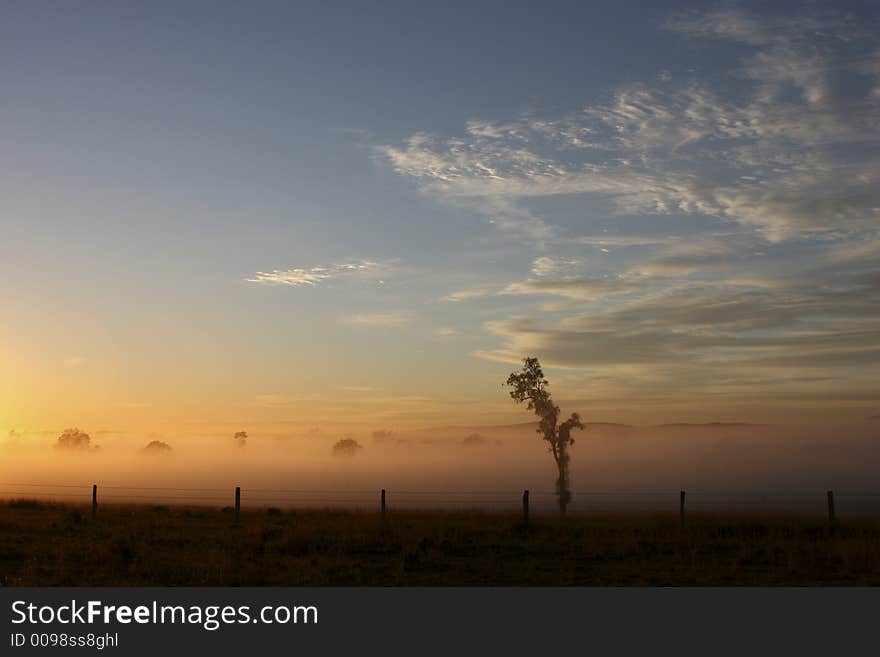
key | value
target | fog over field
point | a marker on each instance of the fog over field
(614, 467)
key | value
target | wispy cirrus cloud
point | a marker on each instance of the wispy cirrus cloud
(684, 338)
(390, 319)
(317, 275)
(766, 176)
(575, 288)
(620, 241)
(775, 158)
(279, 400)
(687, 258)
(466, 295)
(555, 265)
(852, 250)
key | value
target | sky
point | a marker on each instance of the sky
(280, 216)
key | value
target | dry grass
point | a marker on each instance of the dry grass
(50, 544)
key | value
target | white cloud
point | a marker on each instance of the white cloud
(575, 288)
(687, 335)
(381, 319)
(625, 240)
(687, 258)
(780, 162)
(466, 295)
(866, 249)
(778, 157)
(277, 400)
(756, 281)
(554, 265)
(317, 275)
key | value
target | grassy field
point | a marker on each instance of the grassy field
(53, 544)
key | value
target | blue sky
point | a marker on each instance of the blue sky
(320, 210)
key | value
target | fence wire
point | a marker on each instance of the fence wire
(812, 502)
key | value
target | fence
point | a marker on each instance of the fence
(821, 502)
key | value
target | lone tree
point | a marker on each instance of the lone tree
(74, 439)
(346, 447)
(530, 386)
(156, 447)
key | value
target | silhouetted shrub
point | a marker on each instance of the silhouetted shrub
(382, 436)
(346, 447)
(474, 439)
(156, 447)
(74, 439)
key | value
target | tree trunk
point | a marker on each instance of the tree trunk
(563, 488)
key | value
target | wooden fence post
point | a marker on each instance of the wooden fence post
(681, 515)
(382, 504)
(237, 503)
(94, 500)
(525, 501)
(831, 515)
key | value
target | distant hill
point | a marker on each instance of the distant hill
(703, 425)
(476, 427)
(520, 426)
(465, 429)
